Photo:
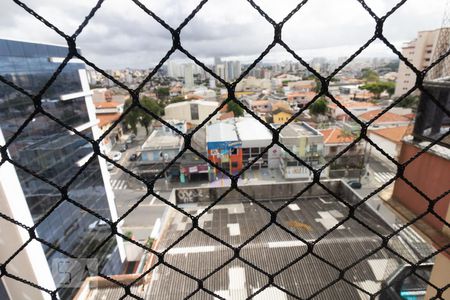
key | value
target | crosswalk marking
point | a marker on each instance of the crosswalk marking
(118, 184)
(383, 177)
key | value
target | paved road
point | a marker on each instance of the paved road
(141, 220)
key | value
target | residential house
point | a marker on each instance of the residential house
(355, 107)
(306, 143)
(107, 113)
(298, 100)
(280, 114)
(387, 119)
(389, 139)
(336, 140)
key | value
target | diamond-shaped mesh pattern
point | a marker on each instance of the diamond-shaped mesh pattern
(199, 286)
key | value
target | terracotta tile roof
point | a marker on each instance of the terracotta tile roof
(387, 117)
(410, 116)
(394, 134)
(306, 95)
(226, 115)
(194, 97)
(260, 102)
(335, 136)
(106, 119)
(105, 104)
(351, 104)
(281, 105)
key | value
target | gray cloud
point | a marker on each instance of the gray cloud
(122, 35)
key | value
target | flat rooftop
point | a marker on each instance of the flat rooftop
(235, 220)
(295, 130)
(162, 140)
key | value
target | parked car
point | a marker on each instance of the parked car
(133, 157)
(354, 184)
(123, 148)
(116, 156)
(99, 225)
(109, 166)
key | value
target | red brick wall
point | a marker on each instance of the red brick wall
(431, 174)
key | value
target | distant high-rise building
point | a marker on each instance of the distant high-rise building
(221, 71)
(236, 66)
(212, 83)
(50, 150)
(174, 69)
(188, 76)
(419, 52)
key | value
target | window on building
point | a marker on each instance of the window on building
(234, 164)
(194, 111)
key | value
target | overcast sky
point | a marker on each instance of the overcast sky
(122, 35)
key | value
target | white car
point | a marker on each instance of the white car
(99, 225)
(116, 156)
(109, 166)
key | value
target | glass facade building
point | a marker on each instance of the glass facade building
(53, 152)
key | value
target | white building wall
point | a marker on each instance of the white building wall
(104, 170)
(182, 111)
(388, 146)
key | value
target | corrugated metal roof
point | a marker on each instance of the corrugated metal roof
(275, 248)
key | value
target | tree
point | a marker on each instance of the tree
(319, 107)
(139, 116)
(391, 89)
(369, 75)
(235, 108)
(318, 85)
(162, 92)
(177, 99)
(379, 87)
(410, 102)
(347, 133)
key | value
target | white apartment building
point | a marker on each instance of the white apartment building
(419, 52)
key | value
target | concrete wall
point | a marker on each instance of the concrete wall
(431, 174)
(439, 276)
(261, 192)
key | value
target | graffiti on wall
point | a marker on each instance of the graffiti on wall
(191, 196)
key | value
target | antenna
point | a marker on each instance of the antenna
(442, 69)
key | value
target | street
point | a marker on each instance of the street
(141, 220)
(128, 190)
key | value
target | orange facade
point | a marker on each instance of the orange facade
(229, 160)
